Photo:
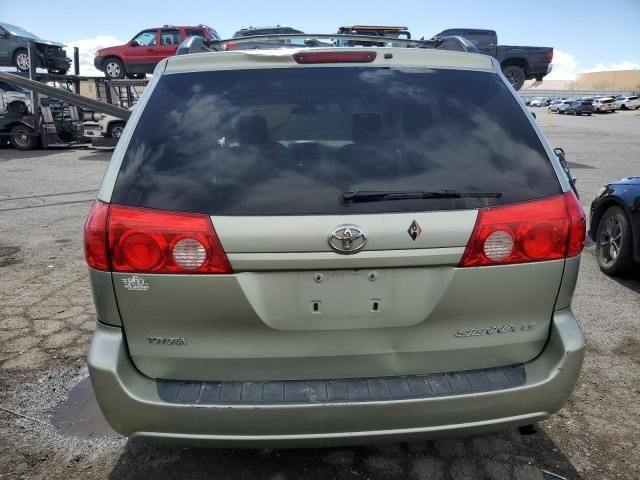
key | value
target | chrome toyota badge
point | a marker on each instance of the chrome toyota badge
(347, 239)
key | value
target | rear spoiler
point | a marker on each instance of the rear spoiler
(197, 44)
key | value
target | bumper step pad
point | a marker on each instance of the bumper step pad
(369, 389)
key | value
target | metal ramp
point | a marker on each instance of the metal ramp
(67, 97)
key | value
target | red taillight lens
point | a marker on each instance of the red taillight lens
(578, 229)
(145, 240)
(230, 46)
(550, 54)
(95, 236)
(130, 239)
(334, 57)
(547, 229)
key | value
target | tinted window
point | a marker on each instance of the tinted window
(170, 37)
(478, 37)
(289, 141)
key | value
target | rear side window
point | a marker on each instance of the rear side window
(289, 141)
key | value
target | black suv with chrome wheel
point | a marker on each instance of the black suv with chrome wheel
(615, 226)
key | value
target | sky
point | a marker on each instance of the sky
(587, 35)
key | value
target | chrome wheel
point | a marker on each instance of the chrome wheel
(116, 132)
(112, 69)
(21, 138)
(610, 242)
(22, 61)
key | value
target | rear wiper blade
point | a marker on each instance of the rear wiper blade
(357, 196)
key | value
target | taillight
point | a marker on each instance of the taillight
(334, 57)
(95, 236)
(550, 54)
(230, 46)
(578, 228)
(154, 241)
(548, 229)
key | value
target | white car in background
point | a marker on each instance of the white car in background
(537, 102)
(14, 99)
(627, 102)
(110, 126)
(559, 106)
(604, 105)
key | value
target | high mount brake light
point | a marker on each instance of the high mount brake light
(131, 239)
(334, 57)
(535, 231)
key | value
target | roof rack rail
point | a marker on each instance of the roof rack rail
(198, 44)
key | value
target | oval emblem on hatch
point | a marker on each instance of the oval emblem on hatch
(347, 239)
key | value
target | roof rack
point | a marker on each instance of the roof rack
(198, 44)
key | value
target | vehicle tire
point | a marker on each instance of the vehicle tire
(623, 107)
(21, 59)
(115, 129)
(588, 114)
(21, 138)
(614, 244)
(114, 68)
(515, 75)
(575, 112)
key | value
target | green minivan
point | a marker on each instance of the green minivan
(324, 246)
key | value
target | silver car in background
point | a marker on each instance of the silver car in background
(627, 102)
(559, 106)
(604, 105)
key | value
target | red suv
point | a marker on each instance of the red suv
(140, 55)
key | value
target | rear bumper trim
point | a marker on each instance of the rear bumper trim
(371, 389)
(133, 405)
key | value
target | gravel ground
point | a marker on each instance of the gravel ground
(50, 427)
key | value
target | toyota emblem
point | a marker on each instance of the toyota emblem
(347, 239)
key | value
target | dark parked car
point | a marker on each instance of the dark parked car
(580, 107)
(277, 30)
(14, 44)
(518, 63)
(385, 31)
(615, 226)
(140, 55)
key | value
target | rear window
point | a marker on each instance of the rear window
(289, 141)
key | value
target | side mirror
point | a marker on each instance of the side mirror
(133, 43)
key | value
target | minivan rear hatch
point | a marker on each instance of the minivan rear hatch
(343, 197)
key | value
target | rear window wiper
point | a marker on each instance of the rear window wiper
(357, 196)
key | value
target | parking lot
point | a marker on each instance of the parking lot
(49, 423)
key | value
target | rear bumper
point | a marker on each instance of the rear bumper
(132, 405)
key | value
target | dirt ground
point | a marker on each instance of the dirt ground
(50, 427)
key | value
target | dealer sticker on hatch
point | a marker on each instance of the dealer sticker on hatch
(135, 283)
